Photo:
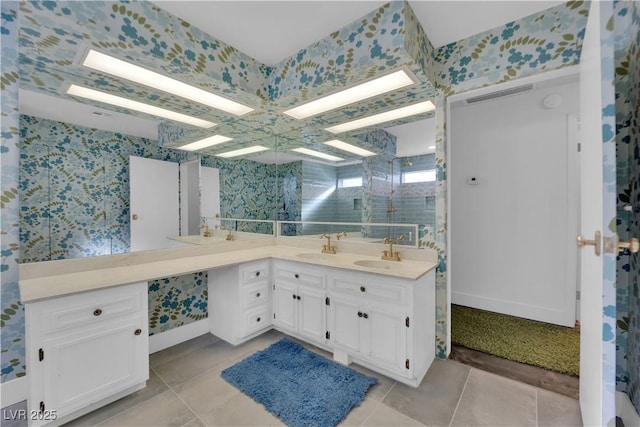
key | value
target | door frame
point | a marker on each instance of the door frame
(537, 78)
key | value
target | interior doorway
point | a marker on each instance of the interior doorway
(513, 176)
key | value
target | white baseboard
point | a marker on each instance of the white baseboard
(175, 336)
(626, 411)
(13, 391)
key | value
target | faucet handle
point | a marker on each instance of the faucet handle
(341, 234)
(387, 240)
(400, 238)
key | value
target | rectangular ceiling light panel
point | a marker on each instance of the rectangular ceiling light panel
(107, 98)
(341, 145)
(204, 143)
(243, 151)
(378, 86)
(117, 67)
(399, 113)
(314, 153)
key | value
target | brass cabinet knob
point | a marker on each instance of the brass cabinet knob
(97, 312)
(134, 217)
(137, 331)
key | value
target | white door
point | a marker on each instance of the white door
(596, 398)
(285, 306)
(514, 205)
(209, 192)
(311, 313)
(154, 202)
(190, 197)
(386, 337)
(346, 316)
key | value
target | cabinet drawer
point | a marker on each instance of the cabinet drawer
(256, 319)
(92, 307)
(300, 275)
(255, 293)
(369, 291)
(252, 272)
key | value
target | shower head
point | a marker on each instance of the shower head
(405, 161)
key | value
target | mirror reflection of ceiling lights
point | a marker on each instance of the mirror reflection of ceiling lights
(341, 145)
(204, 143)
(243, 151)
(119, 68)
(318, 154)
(399, 113)
(378, 86)
(118, 101)
(389, 82)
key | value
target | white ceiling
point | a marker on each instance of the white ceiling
(270, 31)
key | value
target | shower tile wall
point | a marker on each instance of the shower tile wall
(348, 206)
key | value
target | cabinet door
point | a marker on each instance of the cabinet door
(346, 324)
(285, 306)
(385, 337)
(311, 313)
(88, 365)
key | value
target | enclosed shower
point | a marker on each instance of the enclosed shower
(410, 202)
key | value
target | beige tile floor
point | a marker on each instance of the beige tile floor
(185, 389)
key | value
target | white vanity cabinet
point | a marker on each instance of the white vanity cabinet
(299, 300)
(239, 299)
(385, 323)
(85, 350)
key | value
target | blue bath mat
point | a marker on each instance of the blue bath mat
(300, 387)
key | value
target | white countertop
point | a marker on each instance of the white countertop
(56, 278)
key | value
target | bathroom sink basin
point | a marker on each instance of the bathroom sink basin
(379, 264)
(316, 255)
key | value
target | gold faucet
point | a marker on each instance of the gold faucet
(390, 255)
(328, 249)
(230, 235)
(341, 234)
(207, 232)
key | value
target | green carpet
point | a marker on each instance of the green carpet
(541, 344)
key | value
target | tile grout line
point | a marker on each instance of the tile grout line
(180, 398)
(388, 391)
(460, 398)
(537, 420)
(372, 411)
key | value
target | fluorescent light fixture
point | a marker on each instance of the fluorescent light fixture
(135, 105)
(204, 143)
(316, 154)
(432, 147)
(369, 89)
(399, 113)
(117, 67)
(341, 145)
(243, 151)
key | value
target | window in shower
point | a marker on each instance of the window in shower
(419, 176)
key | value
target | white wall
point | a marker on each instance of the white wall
(513, 234)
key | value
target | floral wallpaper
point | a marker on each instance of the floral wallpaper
(177, 301)
(627, 106)
(12, 363)
(540, 42)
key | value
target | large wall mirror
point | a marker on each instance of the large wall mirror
(75, 149)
